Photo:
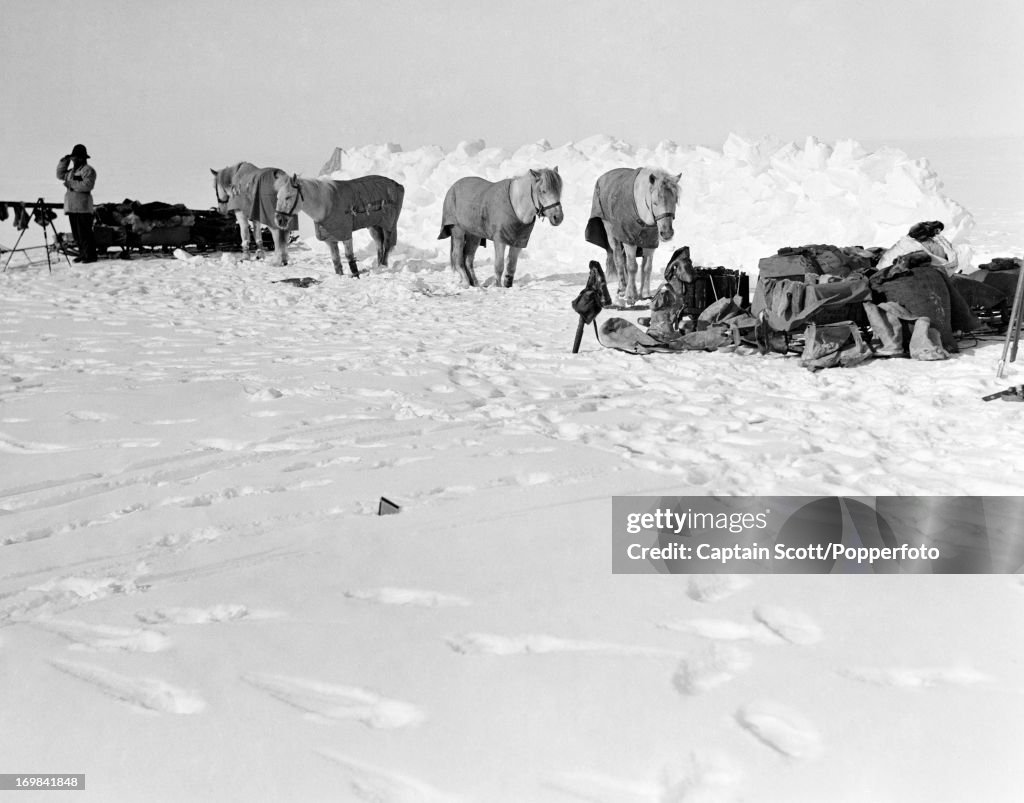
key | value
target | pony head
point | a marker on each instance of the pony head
(220, 189)
(547, 194)
(289, 194)
(664, 198)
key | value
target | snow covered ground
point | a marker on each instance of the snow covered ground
(199, 602)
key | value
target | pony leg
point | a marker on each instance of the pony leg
(457, 255)
(257, 232)
(510, 268)
(375, 235)
(611, 270)
(469, 259)
(350, 257)
(646, 266)
(619, 258)
(243, 232)
(629, 269)
(332, 246)
(280, 246)
(613, 264)
(390, 241)
(459, 251)
(499, 261)
(378, 239)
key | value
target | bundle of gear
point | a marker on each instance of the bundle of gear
(835, 305)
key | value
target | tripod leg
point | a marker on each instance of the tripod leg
(14, 250)
(1013, 330)
(46, 245)
(1017, 326)
(56, 240)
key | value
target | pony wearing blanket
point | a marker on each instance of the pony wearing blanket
(632, 210)
(340, 207)
(248, 191)
(477, 210)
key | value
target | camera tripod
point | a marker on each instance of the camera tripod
(43, 219)
(1013, 330)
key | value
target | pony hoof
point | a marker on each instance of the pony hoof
(507, 282)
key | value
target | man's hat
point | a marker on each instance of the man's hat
(79, 151)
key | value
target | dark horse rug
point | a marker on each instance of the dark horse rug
(361, 203)
(484, 209)
(256, 196)
(614, 203)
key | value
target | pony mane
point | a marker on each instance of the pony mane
(665, 184)
(282, 176)
(313, 190)
(549, 179)
(226, 175)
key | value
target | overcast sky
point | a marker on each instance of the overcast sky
(178, 87)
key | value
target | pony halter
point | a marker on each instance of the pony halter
(295, 203)
(216, 191)
(670, 214)
(542, 210)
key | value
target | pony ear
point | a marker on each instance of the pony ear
(555, 171)
(295, 179)
(676, 177)
(213, 171)
(534, 173)
(653, 179)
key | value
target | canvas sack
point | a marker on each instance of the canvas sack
(832, 345)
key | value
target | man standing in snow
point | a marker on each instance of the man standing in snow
(79, 177)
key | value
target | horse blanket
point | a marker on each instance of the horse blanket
(484, 209)
(361, 203)
(255, 195)
(614, 202)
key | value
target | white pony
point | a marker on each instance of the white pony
(340, 207)
(248, 191)
(476, 210)
(632, 210)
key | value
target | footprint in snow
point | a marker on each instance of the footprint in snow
(712, 667)
(708, 778)
(794, 626)
(596, 788)
(105, 638)
(715, 587)
(89, 415)
(148, 694)
(325, 701)
(723, 630)
(379, 785)
(535, 644)
(917, 678)
(780, 728)
(408, 596)
(203, 616)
